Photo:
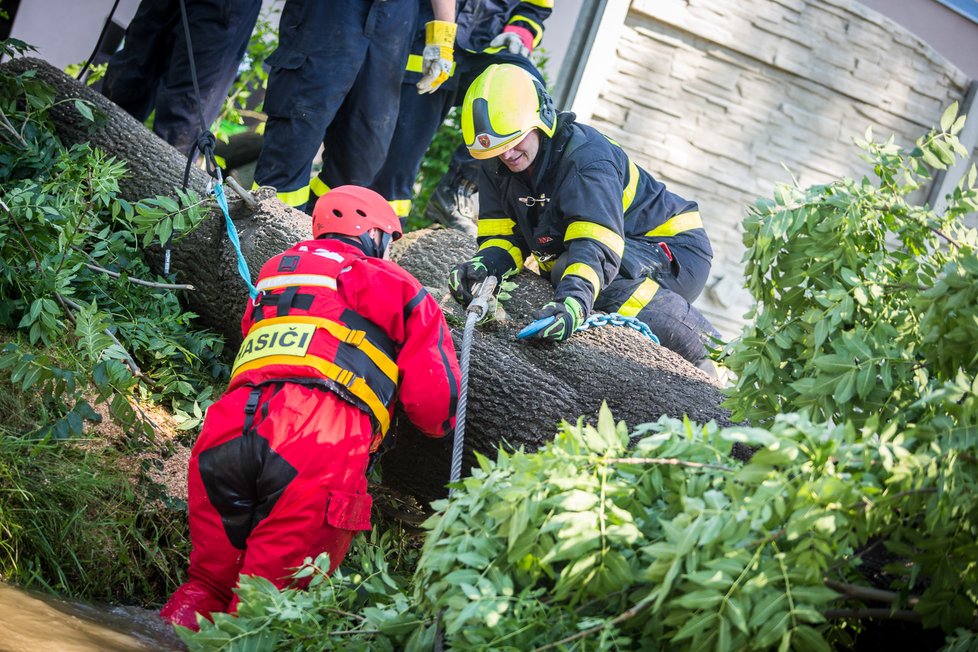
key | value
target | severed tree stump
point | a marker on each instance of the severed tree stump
(518, 391)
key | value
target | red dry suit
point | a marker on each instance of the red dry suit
(277, 473)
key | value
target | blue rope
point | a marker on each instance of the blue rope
(233, 237)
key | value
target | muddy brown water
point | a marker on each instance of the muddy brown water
(32, 622)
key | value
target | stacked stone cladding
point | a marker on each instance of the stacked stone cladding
(723, 99)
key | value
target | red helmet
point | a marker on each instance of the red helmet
(353, 210)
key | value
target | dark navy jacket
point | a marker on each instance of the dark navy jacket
(588, 199)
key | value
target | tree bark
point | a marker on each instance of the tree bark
(518, 392)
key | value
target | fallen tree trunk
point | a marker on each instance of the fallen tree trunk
(518, 392)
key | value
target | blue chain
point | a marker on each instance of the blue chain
(614, 319)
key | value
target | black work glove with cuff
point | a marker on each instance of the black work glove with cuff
(464, 277)
(568, 316)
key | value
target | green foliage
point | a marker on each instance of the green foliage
(664, 543)
(71, 271)
(866, 302)
(72, 522)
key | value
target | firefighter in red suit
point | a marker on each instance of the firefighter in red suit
(278, 472)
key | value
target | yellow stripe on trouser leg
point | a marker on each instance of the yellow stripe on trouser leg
(513, 251)
(677, 224)
(640, 298)
(502, 226)
(294, 198)
(597, 232)
(318, 186)
(546, 4)
(585, 272)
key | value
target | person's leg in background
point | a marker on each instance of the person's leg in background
(359, 136)
(321, 51)
(134, 72)
(417, 121)
(219, 31)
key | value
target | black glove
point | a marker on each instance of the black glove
(464, 277)
(568, 316)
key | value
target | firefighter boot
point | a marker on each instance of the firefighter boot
(455, 203)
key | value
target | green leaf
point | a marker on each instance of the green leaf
(82, 107)
(947, 118)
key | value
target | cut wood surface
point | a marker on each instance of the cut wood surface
(518, 391)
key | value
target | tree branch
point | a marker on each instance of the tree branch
(867, 593)
(133, 367)
(884, 613)
(667, 461)
(139, 281)
(620, 618)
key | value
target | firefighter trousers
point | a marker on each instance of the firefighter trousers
(152, 70)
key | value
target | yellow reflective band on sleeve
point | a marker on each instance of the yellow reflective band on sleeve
(295, 198)
(546, 4)
(593, 231)
(356, 385)
(678, 224)
(318, 186)
(415, 63)
(537, 27)
(343, 333)
(585, 272)
(628, 196)
(285, 280)
(402, 207)
(508, 246)
(503, 226)
(639, 299)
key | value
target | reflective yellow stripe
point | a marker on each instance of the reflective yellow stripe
(503, 226)
(357, 386)
(402, 207)
(285, 280)
(677, 224)
(597, 232)
(546, 4)
(585, 272)
(628, 196)
(546, 265)
(343, 333)
(318, 186)
(639, 299)
(537, 27)
(415, 63)
(509, 247)
(295, 198)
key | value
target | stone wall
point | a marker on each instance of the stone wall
(722, 99)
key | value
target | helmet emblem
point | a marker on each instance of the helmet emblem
(484, 140)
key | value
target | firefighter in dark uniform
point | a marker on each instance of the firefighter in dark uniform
(338, 335)
(489, 31)
(335, 79)
(152, 70)
(609, 236)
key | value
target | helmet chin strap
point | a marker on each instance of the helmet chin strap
(371, 248)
